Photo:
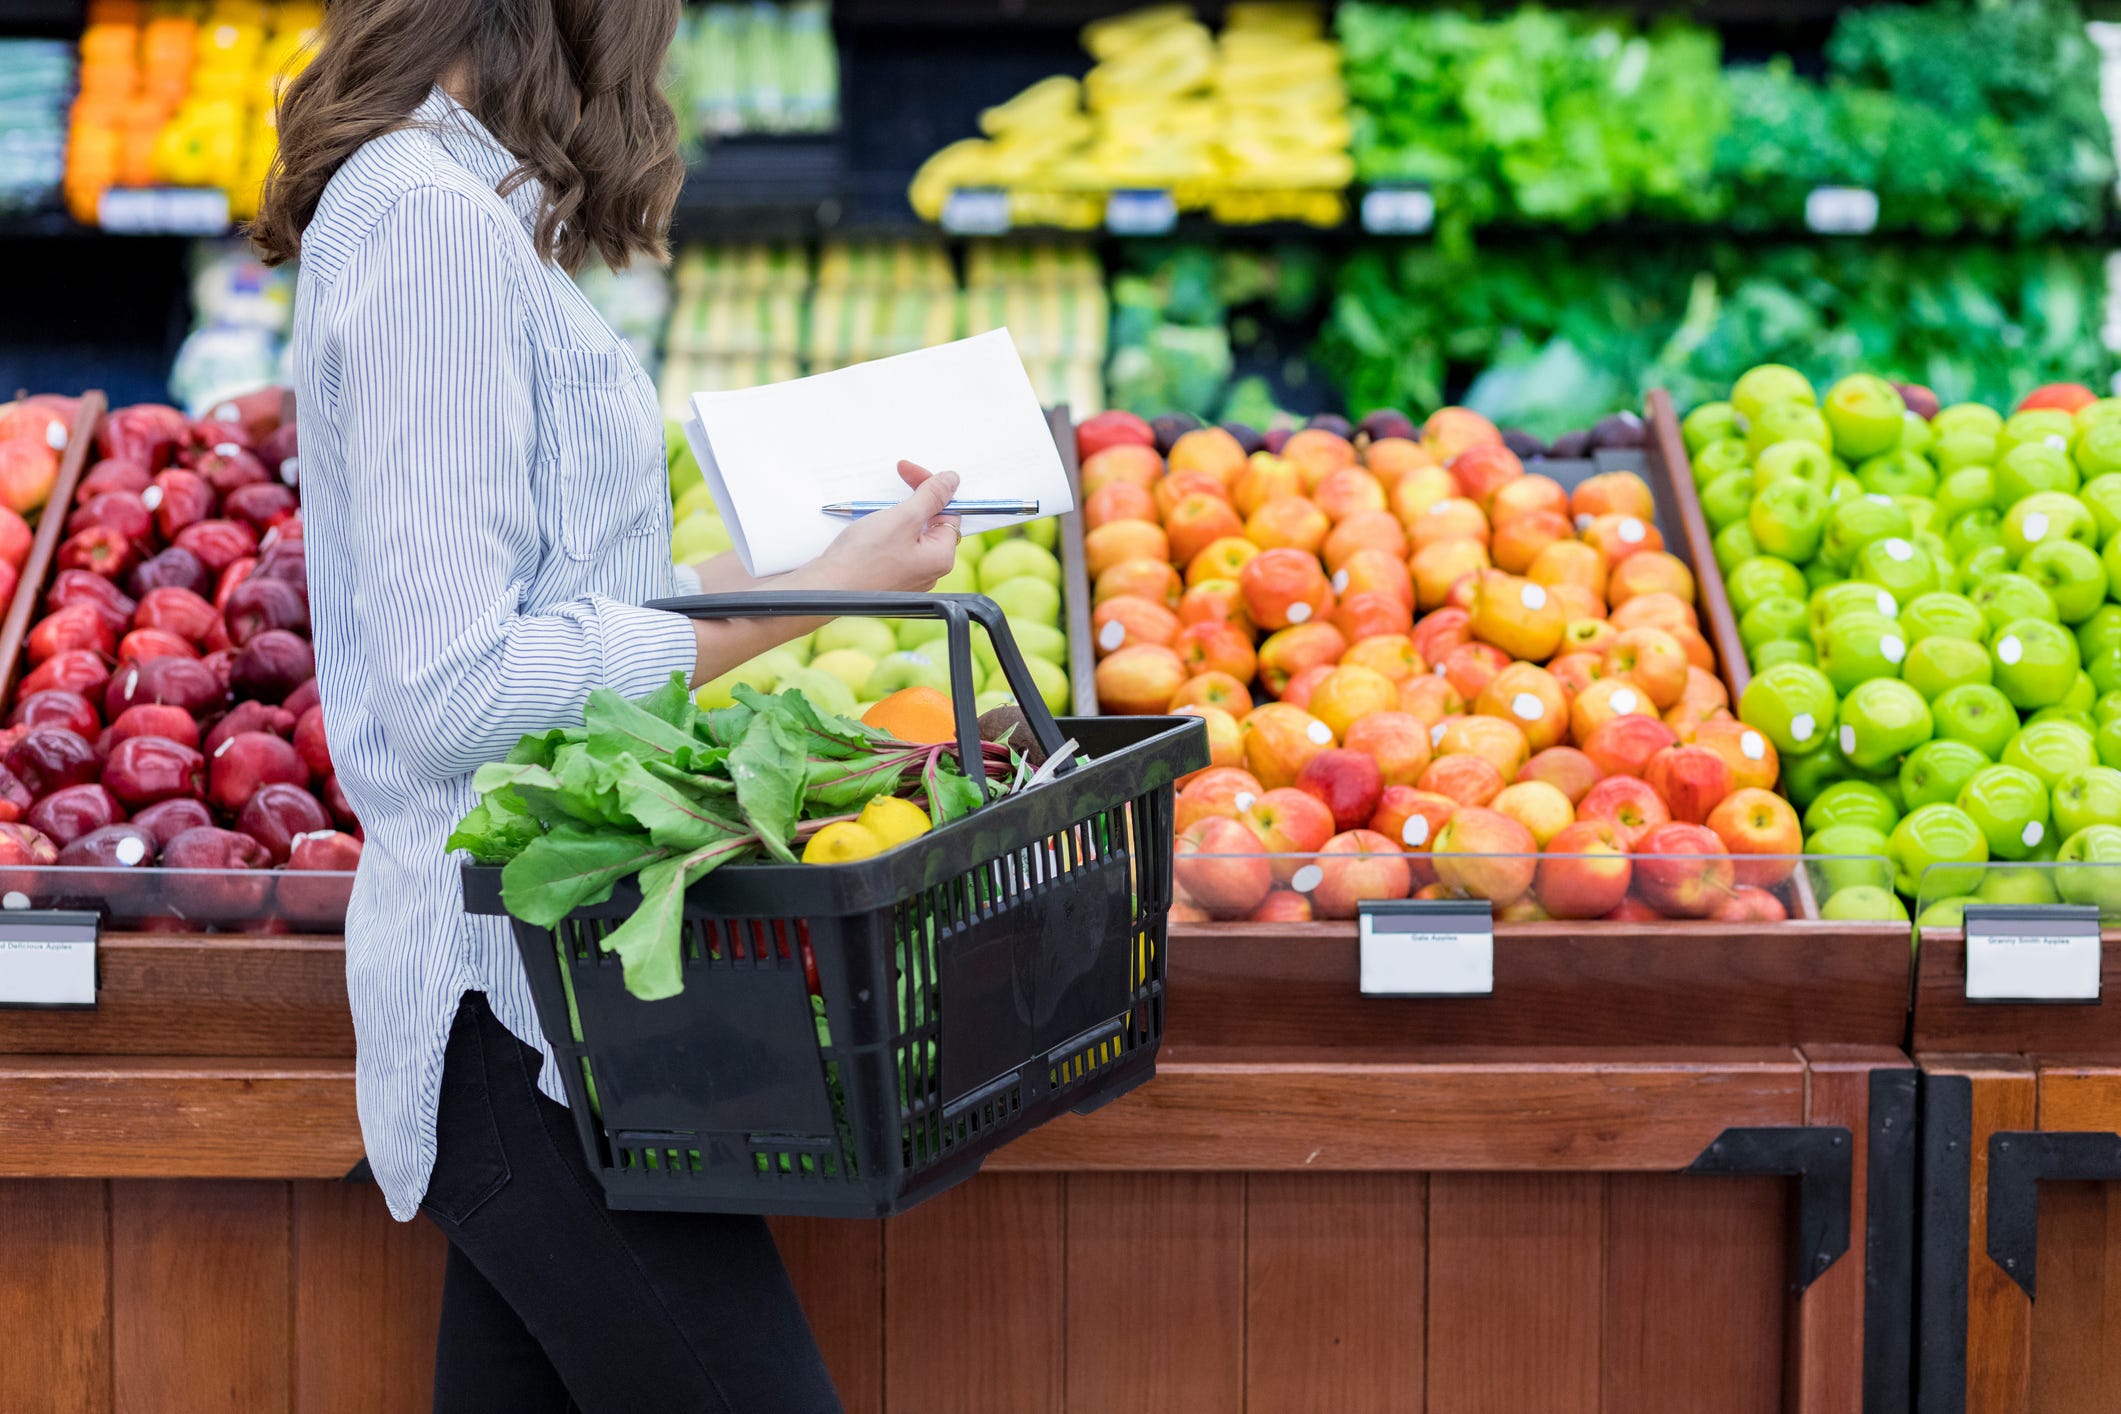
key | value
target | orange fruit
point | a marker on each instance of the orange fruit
(916, 714)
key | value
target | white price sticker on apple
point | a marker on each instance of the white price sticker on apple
(2032, 953)
(1426, 948)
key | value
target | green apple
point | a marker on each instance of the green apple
(2008, 598)
(1845, 486)
(2100, 634)
(1930, 543)
(2107, 707)
(1899, 565)
(1865, 414)
(2097, 447)
(2097, 411)
(987, 701)
(1935, 771)
(1977, 528)
(2104, 669)
(2036, 425)
(1858, 647)
(850, 665)
(1915, 433)
(2082, 721)
(2030, 468)
(1052, 684)
(1946, 912)
(1941, 613)
(1925, 845)
(984, 659)
(1037, 640)
(1855, 523)
(1970, 488)
(1726, 499)
(1921, 511)
(1881, 721)
(1797, 460)
(2009, 803)
(1851, 856)
(1720, 458)
(1977, 415)
(871, 636)
(2107, 742)
(1782, 650)
(1851, 803)
(2020, 886)
(1804, 777)
(2088, 797)
(1961, 447)
(1849, 597)
(2050, 750)
(1763, 577)
(2091, 872)
(1017, 559)
(1898, 474)
(1976, 714)
(1787, 421)
(1734, 545)
(1768, 383)
(2048, 515)
(698, 536)
(1770, 619)
(2082, 697)
(2036, 661)
(919, 633)
(1026, 598)
(760, 674)
(961, 578)
(2071, 575)
(2111, 558)
(2102, 497)
(1711, 422)
(1044, 532)
(1793, 704)
(1863, 903)
(1818, 574)
(906, 668)
(826, 691)
(1788, 518)
(1937, 664)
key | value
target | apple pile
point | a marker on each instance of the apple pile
(168, 713)
(34, 432)
(1425, 671)
(1933, 625)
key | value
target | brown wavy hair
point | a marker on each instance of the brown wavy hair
(571, 87)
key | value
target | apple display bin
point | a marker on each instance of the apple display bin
(968, 986)
(193, 901)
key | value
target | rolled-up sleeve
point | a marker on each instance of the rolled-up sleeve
(436, 398)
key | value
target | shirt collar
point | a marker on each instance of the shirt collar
(477, 151)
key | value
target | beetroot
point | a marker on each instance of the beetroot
(218, 543)
(123, 511)
(310, 744)
(246, 761)
(148, 433)
(259, 604)
(172, 818)
(227, 467)
(180, 682)
(276, 814)
(250, 717)
(113, 604)
(66, 815)
(175, 566)
(52, 758)
(181, 611)
(56, 707)
(147, 770)
(113, 474)
(24, 844)
(100, 549)
(302, 698)
(111, 847)
(78, 671)
(144, 643)
(154, 719)
(260, 504)
(271, 665)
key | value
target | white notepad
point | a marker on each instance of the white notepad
(773, 455)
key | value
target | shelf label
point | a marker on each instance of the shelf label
(1398, 211)
(1130, 212)
(976, 211)
(2032, 953)
(1426, 948)
(163, 211)
(47, 957)
(1841, 211)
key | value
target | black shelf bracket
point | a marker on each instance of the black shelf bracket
(1946, 1184)
(1889, 1242)
(2018, 1162)
(1822, 1160)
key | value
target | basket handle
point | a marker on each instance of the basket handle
(958, 613)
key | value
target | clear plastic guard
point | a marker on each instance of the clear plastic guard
(1524, 888)
(188, 900)
(1944, 890)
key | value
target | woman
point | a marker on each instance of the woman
(485, 507)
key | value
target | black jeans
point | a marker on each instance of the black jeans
(552, 1302)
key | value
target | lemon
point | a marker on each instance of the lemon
(893, 821)
(841, 843)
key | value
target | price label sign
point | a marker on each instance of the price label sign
(976, 211)
(1426, 948)
(2032, 953)
(48, 958)
(163, 211)
(1140, 213)
(1398, 211)
(1841, 211)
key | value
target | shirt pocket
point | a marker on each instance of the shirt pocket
(602, 450)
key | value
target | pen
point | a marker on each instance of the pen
(955, 508)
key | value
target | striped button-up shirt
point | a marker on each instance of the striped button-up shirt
(485, 505)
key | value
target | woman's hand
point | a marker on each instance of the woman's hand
(908, 547)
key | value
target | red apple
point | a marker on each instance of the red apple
(1564, 768)
(1347, 782)
(1750, 905)
(1290, 824)
(78, 671)
(155, 719)
(1623, 746)
(1282, 906)
(1485, 854)
(56, 707)
(1221, 866)
(1759, 822)
(1627, 803)
(113, 604)
(1692, 779)
(1357, 865)
(1585, 872)
(247, 761)
(1683, 871)
(277, 814)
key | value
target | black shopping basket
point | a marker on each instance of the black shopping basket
(854, 1038)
